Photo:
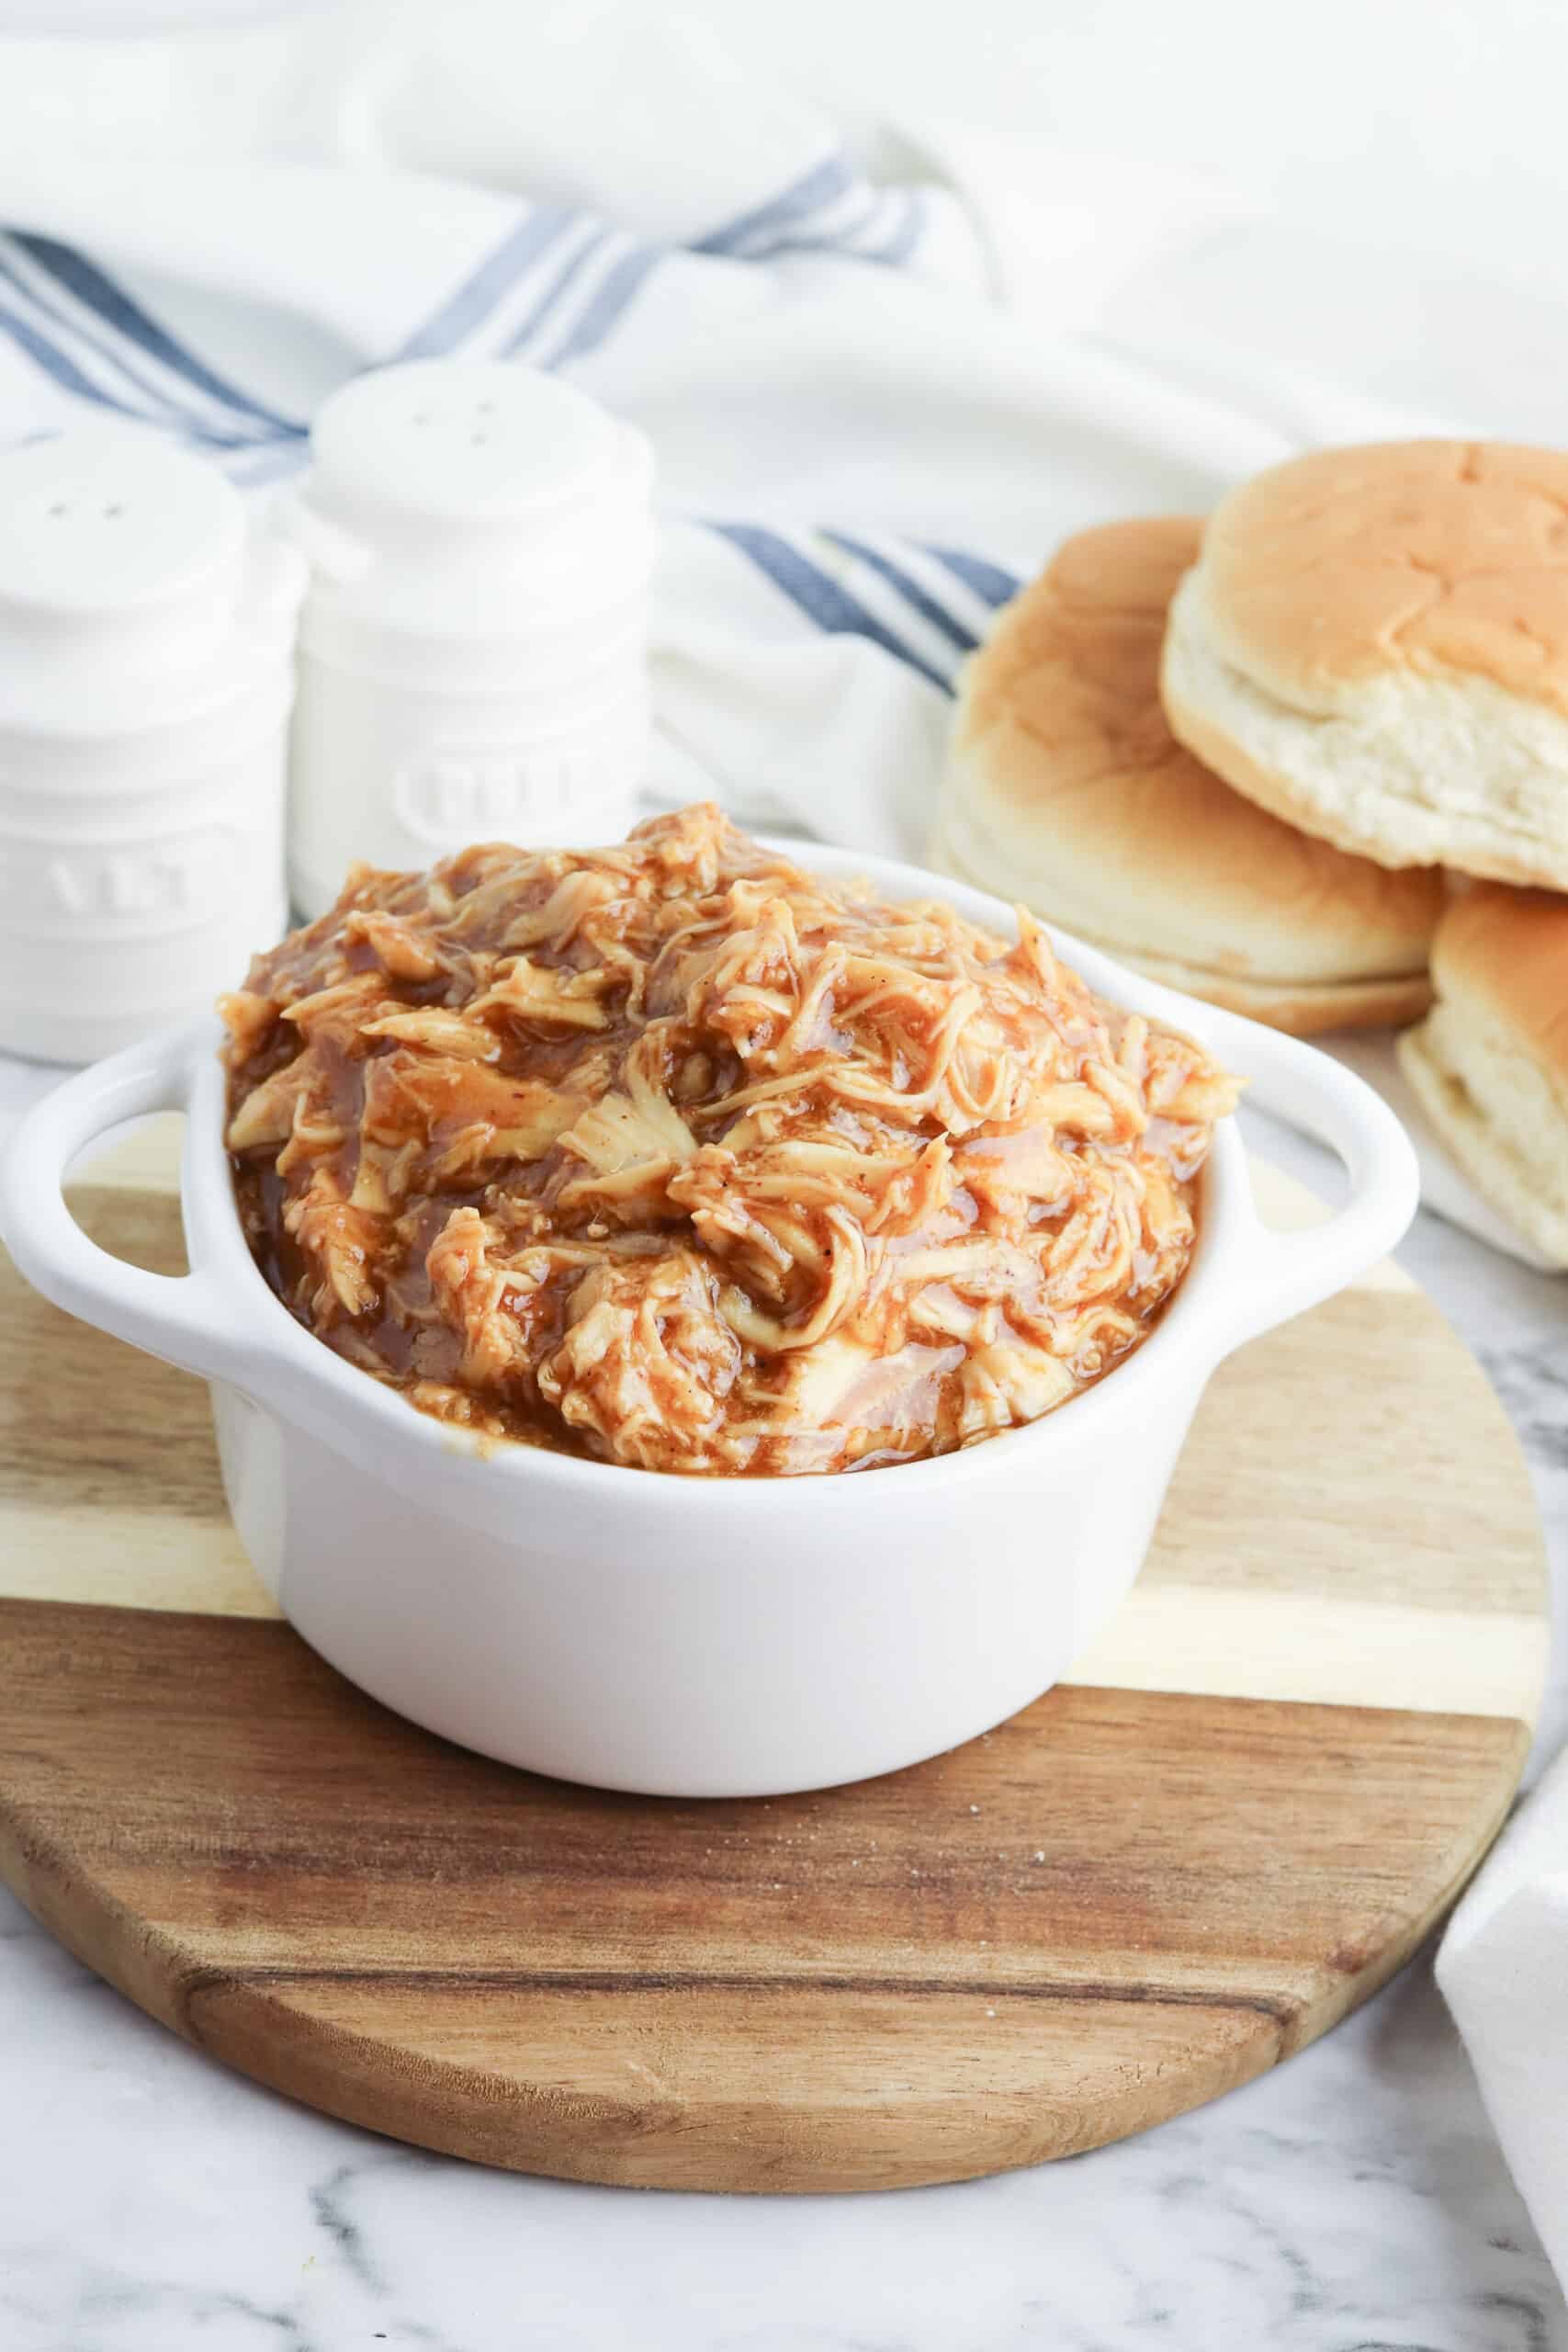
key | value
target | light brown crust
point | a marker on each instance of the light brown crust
(1303, 1012)
(1432, 558)
(1071, 789)
(1509, 950)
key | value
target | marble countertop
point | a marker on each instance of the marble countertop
(1353, 2201)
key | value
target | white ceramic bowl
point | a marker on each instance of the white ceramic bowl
(677, 1635)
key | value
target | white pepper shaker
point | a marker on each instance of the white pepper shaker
(145, 681)
(472, 651)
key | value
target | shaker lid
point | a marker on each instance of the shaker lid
(132, 591)
(462, 442)
(457, 500)
(104, 520)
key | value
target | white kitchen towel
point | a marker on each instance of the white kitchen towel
(1502, 1967)
(875, 386)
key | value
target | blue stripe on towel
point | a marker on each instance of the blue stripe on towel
(834, 610)
(790, 217)
(614, 298)
(827, 180)
(111, 302)
(267, 461)
(478, 294)
(69, 340)
(899, 247)
(988, 581)
(805, 240)
(553, 292)
(921, 600)
(63, 369)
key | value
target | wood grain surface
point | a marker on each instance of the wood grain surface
(1260, 1791)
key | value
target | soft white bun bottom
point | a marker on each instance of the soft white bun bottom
(1406, 770)
(1305, 1006)
(1499, 1115)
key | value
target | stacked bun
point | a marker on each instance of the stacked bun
(1489, 1066)
(1248, 756)
(1065, 787)
(1374, 644)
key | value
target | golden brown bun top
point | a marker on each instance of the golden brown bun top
(1425, 557)
(1508, 949)
(1061, 735)
(1075, 657)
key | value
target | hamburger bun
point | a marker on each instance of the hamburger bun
(1373, 644)
(1065, 787)
(1490, 1066)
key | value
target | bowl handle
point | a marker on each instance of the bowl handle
(178, 1316)
(1290, 1272)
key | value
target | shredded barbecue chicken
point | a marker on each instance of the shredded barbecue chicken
(675, 1156)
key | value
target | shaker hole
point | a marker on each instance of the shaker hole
(59, 507)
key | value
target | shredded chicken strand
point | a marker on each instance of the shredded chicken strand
(673, 1155)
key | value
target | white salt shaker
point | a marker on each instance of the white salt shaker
(146, 680)
(472, 651)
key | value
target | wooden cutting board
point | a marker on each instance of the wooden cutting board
(1256, 1797)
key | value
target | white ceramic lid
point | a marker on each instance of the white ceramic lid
(101, 521)
(469, 498)
(130, 590)
(474, 442)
